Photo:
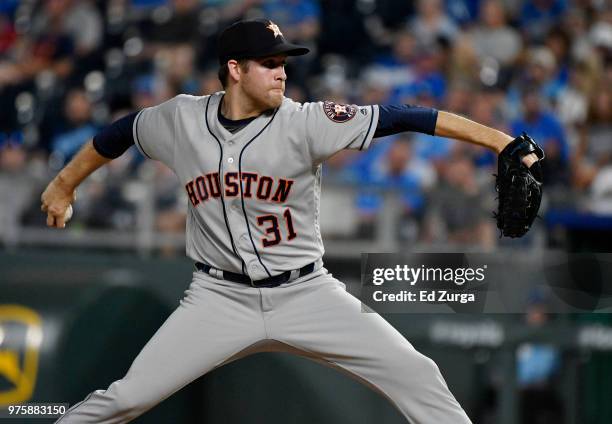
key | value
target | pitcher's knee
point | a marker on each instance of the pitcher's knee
(416, 369)
(133, 405)
(429, 365)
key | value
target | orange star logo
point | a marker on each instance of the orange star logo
(340, 109)
(274, 28)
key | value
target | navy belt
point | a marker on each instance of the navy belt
(274, 281)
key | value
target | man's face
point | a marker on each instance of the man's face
(264, 81)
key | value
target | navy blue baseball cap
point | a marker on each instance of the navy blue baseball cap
(255, 38)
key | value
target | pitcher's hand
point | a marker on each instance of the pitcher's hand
(56, 202)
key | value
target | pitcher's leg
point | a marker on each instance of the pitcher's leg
(212, 324)
(327, 321)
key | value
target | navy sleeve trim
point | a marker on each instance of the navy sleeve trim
(394, 119)
(369, 128)
(137, 137)
(116, 138)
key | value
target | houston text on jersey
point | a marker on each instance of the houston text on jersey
(253, 185)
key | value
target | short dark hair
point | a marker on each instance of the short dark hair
(223, 73)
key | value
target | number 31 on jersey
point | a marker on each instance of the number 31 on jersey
(272, 228)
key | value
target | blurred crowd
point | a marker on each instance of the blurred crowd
(68, 67)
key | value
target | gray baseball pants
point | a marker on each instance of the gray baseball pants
(219, 321)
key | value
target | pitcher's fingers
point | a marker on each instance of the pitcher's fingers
(59, 222)
(530, 159)
(43, 207)
(50, 220)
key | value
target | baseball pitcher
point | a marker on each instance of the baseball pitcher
(250, 160)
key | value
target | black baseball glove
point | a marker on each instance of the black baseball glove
(519, 188)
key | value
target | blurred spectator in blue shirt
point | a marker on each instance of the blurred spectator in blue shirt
(539, 74)
(432, 148)
(79, 128)
(543, 126)
(429, 80)
(538, 16)
(396, 68)
(559, 43)
(394, 167)
(463, 11)
(537, 365)
(543, 71)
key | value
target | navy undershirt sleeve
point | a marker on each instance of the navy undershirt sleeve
(394, 119)
(115, 138)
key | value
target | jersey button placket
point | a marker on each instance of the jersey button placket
(235, 217)
(244, 241)
(253, 270)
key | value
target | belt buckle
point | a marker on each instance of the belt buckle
(295, 274)
(215, 273)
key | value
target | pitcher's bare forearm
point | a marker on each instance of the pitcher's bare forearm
(86, 161)
(60, 192)
(454, 126)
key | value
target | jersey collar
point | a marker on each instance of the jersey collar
(242, 136)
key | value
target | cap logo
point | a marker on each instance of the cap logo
(275, 29)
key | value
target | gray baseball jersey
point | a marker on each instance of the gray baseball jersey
(253, 209)
(253, 195)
